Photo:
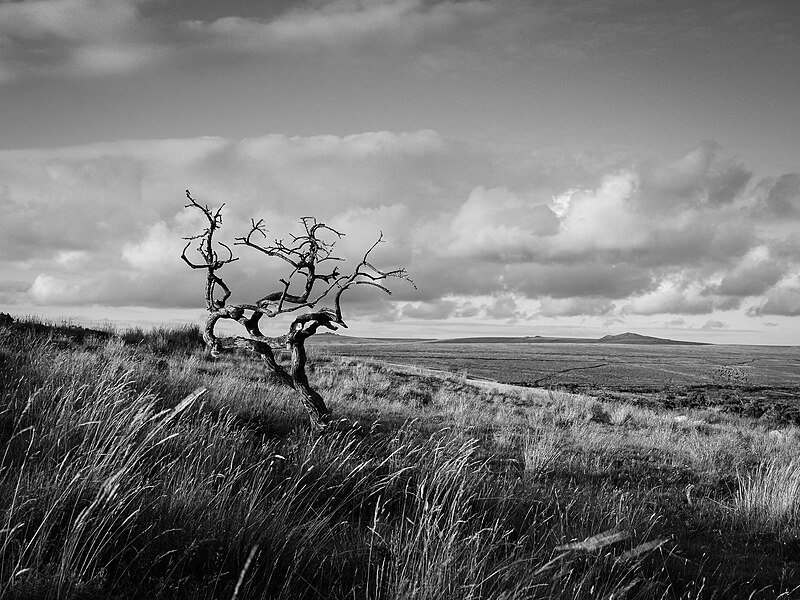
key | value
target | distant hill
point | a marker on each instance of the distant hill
(335, 338)
(622, 338)
(635, 338)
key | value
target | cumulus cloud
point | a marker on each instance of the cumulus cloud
(672, 297)
(103, 224)
(783, 299)
(570, 307)
(503, 306)
(498, 225)
(699, 175)
(156, 250)
(116, 210)
(755, 273)
(48, 289)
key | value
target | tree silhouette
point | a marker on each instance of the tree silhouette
(313, 279)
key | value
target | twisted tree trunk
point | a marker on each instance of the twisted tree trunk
(305, 253)
(318, 413)
(301, 329)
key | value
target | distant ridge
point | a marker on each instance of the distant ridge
(336, 338)
(622, 338)
(635, 338)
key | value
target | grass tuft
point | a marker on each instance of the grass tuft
(767, 501)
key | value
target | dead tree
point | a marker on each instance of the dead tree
(309, 282)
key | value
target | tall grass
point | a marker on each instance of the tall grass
(767, 500)
(120, 478)
(165, 341)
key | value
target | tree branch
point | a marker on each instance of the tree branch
(211, 260)
(299, 290)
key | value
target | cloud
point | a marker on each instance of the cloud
(429, 310)
(782, 197)
(340, 26)
(48, 289)
(102, 224)
(698, 177)
(497, 225)
(570, 307)
(89, 38)
(115, 210)
(783, 299)
(503, 307)
(672, 297)
(80, 38)
(756, 272)
(578, 277)
(675, 323)
(96, 37)
(714, 324)
(154, 251)
(74, 37)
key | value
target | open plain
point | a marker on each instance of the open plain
(753, 379)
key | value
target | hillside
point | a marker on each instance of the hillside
(635, 338)
(136, 466)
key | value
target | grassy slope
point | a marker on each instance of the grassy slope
(117, 482)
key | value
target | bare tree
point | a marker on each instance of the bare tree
(313, 276)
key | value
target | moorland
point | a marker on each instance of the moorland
(748, 380)
(135, 465)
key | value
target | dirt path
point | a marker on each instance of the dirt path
(485, 384)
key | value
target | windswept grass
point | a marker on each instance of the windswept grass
(767, 500)
(121, 478)
(166, 341)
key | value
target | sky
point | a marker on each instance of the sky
(540, 167)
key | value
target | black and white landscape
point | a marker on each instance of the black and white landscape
(399, 299)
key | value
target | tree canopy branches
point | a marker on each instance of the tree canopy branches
(310, 280)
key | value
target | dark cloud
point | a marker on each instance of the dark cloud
(750, 280)
(783, 301)
(727, 302)
(728, 182)
(429, 310)
(590, 279)
(783, 198)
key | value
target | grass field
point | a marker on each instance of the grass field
(622, 366)
(753, 379)
(120, 480)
